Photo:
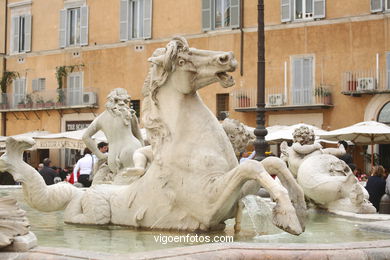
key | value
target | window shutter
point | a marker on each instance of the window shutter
(206, 15)
(84, 25)
(376, 6)
(307, 81)
(285, 10)
(62, 28)
(35, 85)
(147, 19)
(235, 13)
(15, 30)
(27, 33)
(297, 81)
(124, 20)
(319, 9)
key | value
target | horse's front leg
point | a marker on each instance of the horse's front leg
(276, 166)
(284, 214)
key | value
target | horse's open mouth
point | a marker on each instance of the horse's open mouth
(225, 79)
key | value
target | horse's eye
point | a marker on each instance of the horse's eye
(116, 100)
(181, 62)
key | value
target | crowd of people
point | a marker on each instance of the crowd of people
(81, 173)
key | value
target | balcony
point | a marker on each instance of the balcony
(282, 98)
(357, 83)
(50, 99)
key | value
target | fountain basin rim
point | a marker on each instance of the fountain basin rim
(356, 250)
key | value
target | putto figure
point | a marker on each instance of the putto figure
(324, 178)
(120, 125)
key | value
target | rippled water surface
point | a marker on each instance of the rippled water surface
(51, 231)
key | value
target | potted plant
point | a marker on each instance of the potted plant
(60, 97)
(40, 103)
(6, 79)
(49, 103)
(21, 104)
(28, 101)
(324, 93)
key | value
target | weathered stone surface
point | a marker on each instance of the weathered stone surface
(188, 179)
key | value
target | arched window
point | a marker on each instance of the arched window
(384, 114)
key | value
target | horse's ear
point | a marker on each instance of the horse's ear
(157, 60)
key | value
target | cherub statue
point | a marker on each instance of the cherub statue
(324, 178)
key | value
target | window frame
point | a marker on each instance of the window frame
(300, 94)
(21, 34)
(131, 28)
(80, 26)
(209, 17)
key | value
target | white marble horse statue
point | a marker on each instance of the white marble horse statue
(194, 180)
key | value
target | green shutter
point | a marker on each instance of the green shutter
(124, 20)
(27, 33)
(15, 31)
(285, 10)
(147, 26)
(319, 9)
(84, 25)
(235, 13)
(62, 31)
(207, 15)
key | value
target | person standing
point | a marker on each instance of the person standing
(376, 185)
(347, 158)
(47, 172)
(85, 165)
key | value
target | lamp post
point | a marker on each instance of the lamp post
(260, 131)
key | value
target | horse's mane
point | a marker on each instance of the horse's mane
(163, 63)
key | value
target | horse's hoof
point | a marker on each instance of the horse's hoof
(286, 219)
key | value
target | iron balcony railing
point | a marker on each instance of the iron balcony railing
(369, 81)
(50, 99)
(246, 98)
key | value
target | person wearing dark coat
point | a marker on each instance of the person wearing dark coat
(47, 172)
(376, 185)
(347, 158)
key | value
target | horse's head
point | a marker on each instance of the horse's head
(191, 68)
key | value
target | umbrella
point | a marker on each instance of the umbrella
(363, 133)
(69, 139)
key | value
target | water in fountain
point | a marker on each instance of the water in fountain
(260, 214)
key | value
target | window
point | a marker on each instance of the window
(136, 105)
(222, 106)
(218, 14)
(380, 6)
(302, 10)
(19, 91)
(38, 84)
(135, 19)
(74, 89)
(74, 26)
(302, 80)
(21, 33)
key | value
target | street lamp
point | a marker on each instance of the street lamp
(260, 131)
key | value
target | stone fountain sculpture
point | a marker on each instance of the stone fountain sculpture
(193, 181)
(325, 179)
(238, 134)
(123, 141)
(15, 232)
